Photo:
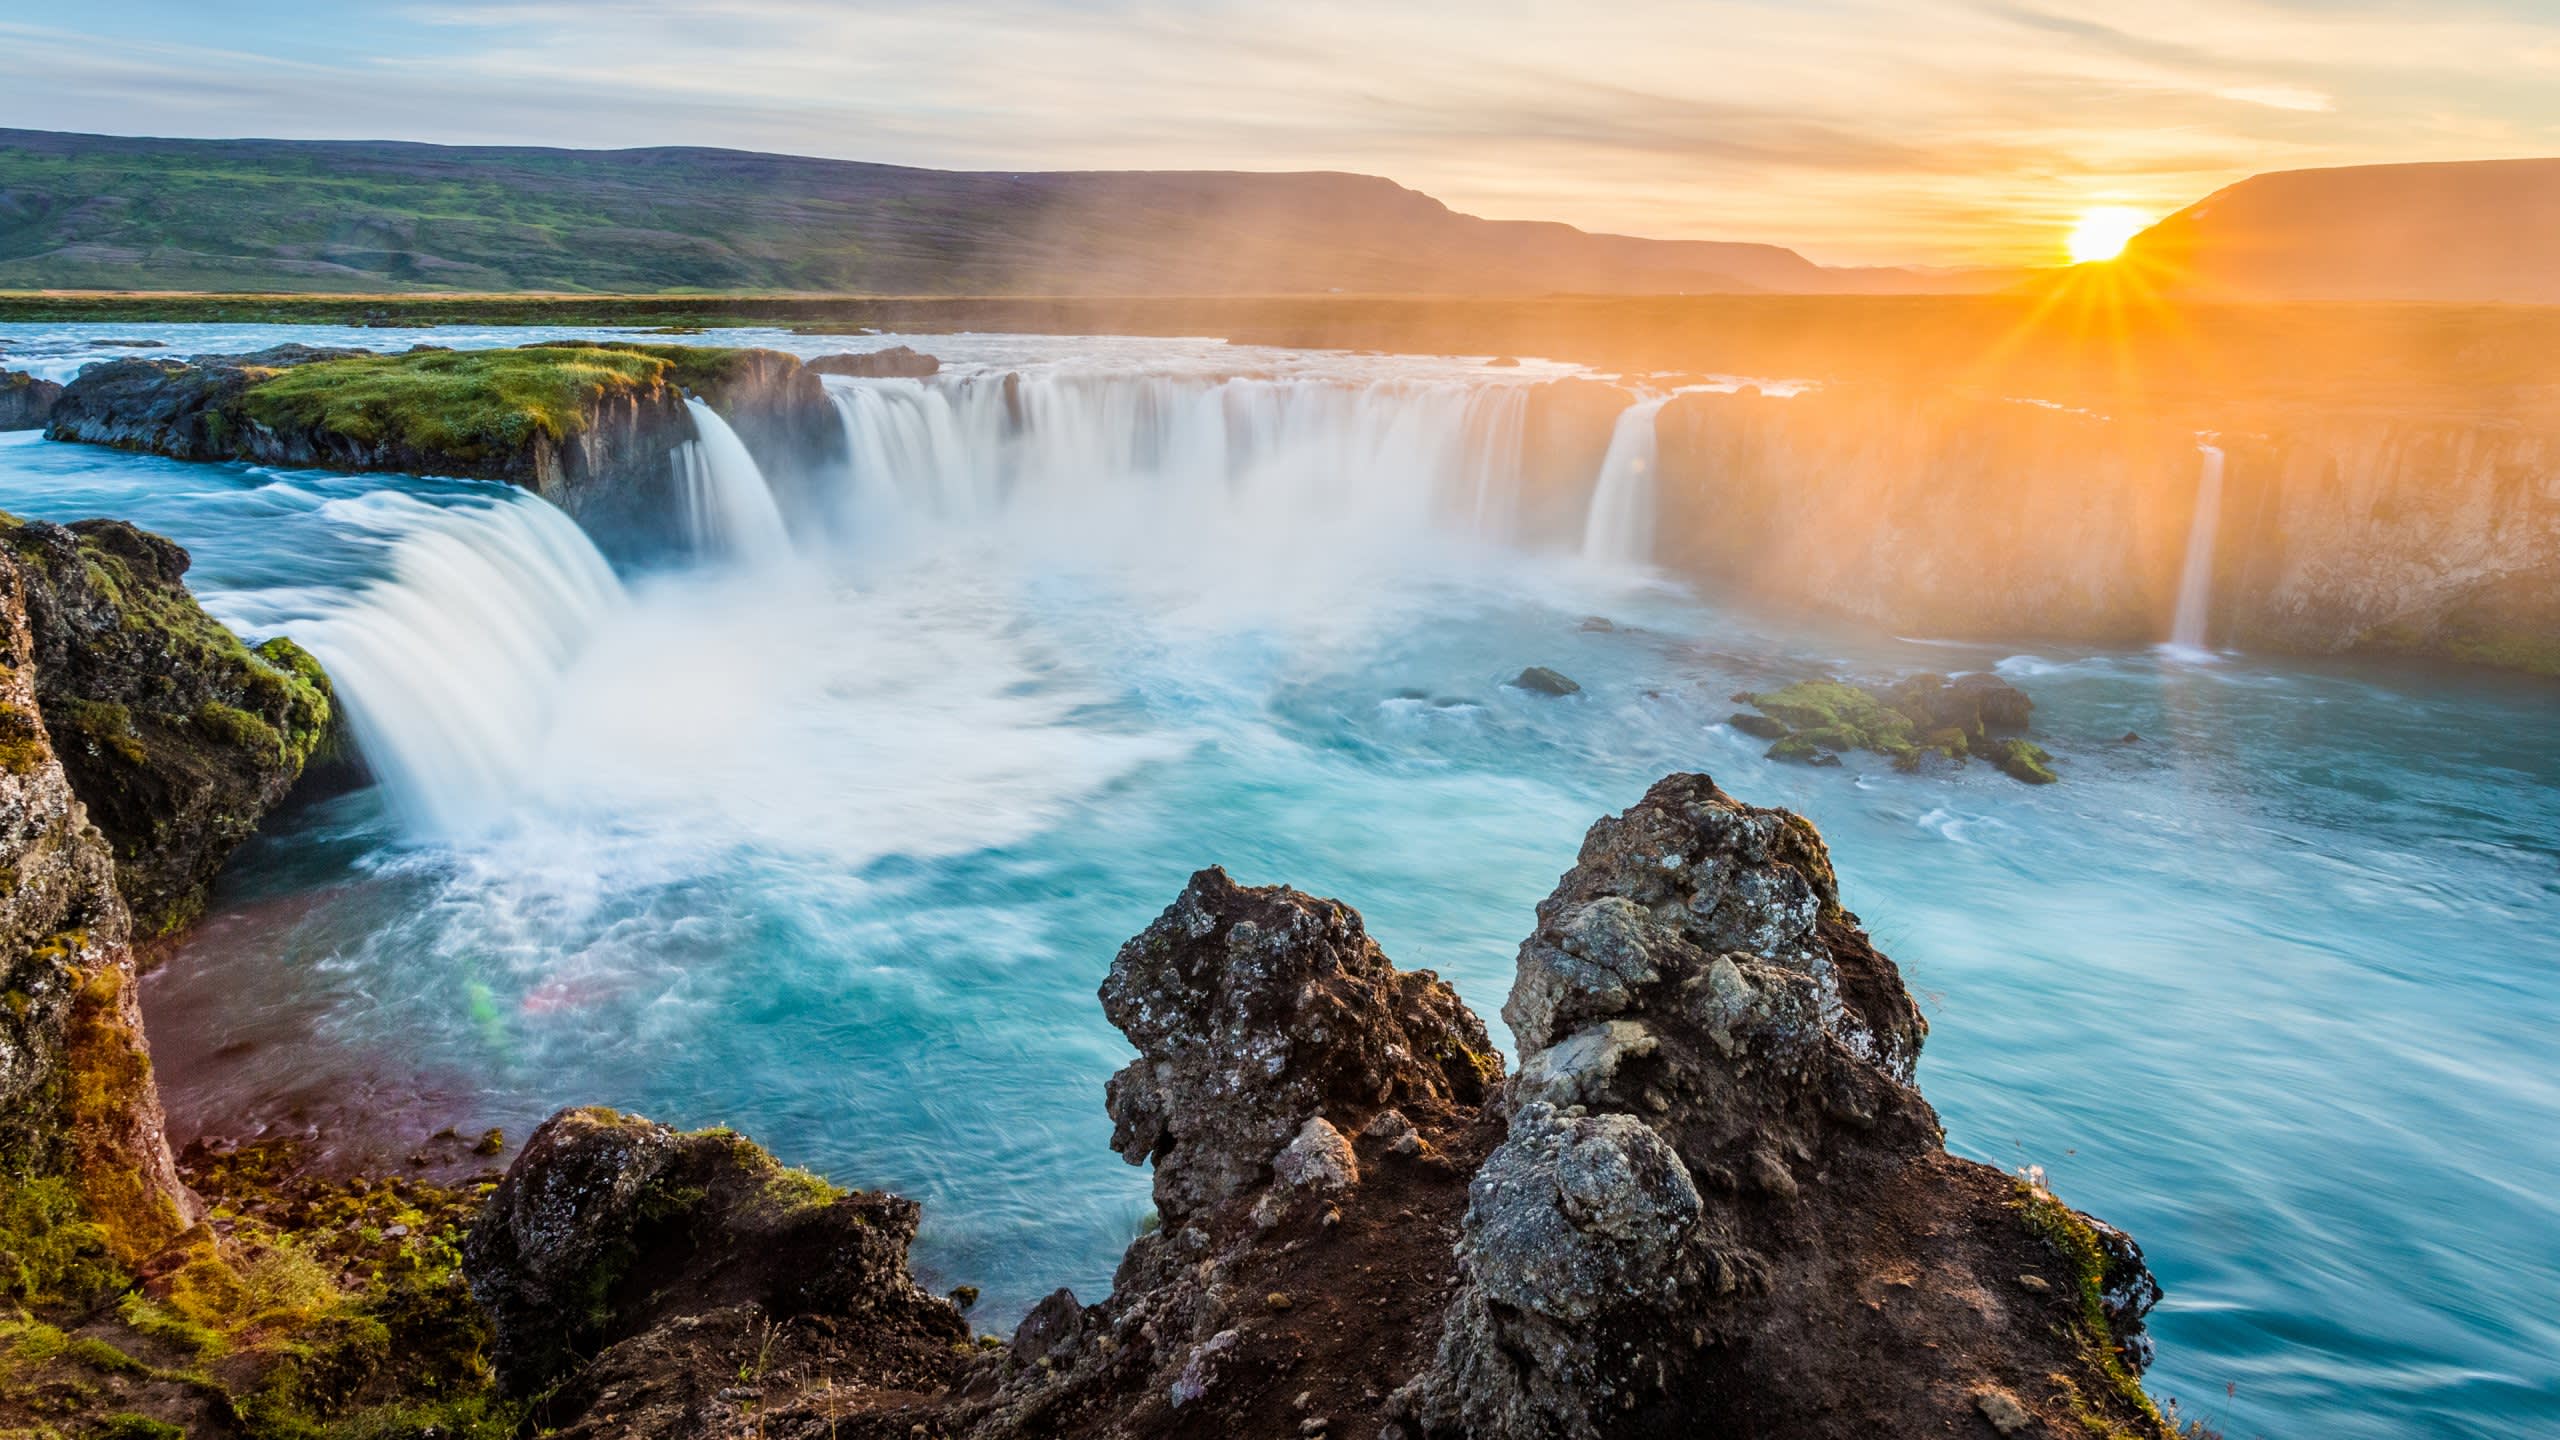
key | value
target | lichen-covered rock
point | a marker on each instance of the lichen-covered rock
(613, 1240)
(78, 1108)
(1254, 1009)
(26, 403)
(1722, 1206)
(177, 737)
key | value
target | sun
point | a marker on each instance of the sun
(2102, 232)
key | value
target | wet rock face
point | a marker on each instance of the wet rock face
(1254, 1009)
(178, 738)
(26, 403)
(1714, 1169)
(614, 1239)
(77, 1101)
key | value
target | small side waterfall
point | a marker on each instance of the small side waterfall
(729, 509)
(448, 667)
(1618, 528)
(2195, 583)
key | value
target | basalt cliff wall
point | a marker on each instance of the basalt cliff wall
(1931, 511)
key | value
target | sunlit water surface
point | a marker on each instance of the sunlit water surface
(837, 849)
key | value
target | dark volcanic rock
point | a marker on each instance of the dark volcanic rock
(178, 738)
(184, 409)
(26, 402)
(898, 361)
(621, 1256)
(1539, 680)
(1312, 1113)
(1255, 1009)
(1723, 1207)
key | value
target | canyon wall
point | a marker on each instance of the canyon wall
(1946, 514)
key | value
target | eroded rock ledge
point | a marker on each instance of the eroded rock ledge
(1711, 1201)
(589, 425)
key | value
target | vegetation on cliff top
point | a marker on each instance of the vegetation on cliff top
(476, 404)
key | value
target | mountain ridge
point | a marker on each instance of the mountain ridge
(114, 212)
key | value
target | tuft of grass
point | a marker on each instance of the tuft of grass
(472, 405)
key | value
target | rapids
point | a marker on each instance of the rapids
(836, 851)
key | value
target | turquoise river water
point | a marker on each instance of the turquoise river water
(827, 827)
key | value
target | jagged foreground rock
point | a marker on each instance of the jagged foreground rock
(1711, 1202)
(78, 1110)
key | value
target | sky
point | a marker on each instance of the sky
(1859, 131)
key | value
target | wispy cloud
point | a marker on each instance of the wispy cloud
(1939, 130)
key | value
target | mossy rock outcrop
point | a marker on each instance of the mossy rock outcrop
(1912, 722)
(589, 425)
(178, 737)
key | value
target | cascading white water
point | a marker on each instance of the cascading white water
(2195, 583)
(1618, 529)
(1287, 459)
(729, 509)
(448, 666)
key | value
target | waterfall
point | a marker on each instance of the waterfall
(1184, 455)
(447, 667)
(2195, 583)
(729, 509)
(1618, 530)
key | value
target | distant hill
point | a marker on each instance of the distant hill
(89, 211)
(2476, 230)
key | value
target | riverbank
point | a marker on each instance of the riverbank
(2096, 344)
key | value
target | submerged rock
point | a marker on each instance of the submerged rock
(1539, 680)
(898, 361)
(26, 403)
(177, 737)
(1911, 721)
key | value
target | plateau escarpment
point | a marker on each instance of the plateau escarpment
(591, 426)
(1711, 1199)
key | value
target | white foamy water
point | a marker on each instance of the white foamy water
(729, 510)
(450, 667)
(1618, 530)
(2195, 582)
(1142, 459)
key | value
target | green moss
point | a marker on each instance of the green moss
(475, 404)
(128, 1426)
(239, 729)
(22, 741)
(106, 725)
(2084, 1264)
(1843, 716)
(2020, 759)
(102, 1357)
